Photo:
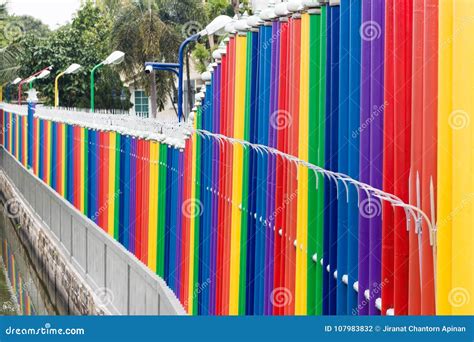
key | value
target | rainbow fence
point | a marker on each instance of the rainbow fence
(326, 169)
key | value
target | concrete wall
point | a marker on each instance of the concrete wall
(119, 281)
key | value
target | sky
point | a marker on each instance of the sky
(54, 13)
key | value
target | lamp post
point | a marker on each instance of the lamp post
(115, 57)
(43, 74)
(72, 69)
(38, 75)
(1, 90)
(214, 27)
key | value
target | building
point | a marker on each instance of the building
(142, 102)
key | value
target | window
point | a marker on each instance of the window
(141, 103)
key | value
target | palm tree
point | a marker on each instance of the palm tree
(8, 53)
(141, 34)
(112, 7)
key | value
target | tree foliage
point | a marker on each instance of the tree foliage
(12, 29)
(215, 8)
(84, 41)
(139, 32)
(212, 9)
(146, 30)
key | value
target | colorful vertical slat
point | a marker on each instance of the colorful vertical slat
(373, 89)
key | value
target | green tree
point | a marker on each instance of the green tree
(215, 8)
(152, 30)
(85, 41)
(8, 65)
(112, 7)
(12, 29)
(139, 31)
(202, 56)
(185, 17)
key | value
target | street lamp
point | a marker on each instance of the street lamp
(73, 69)
(215, 27)
(38, 75)
(115, 57)
(44, 74)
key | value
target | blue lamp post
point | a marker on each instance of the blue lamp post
(215, 27)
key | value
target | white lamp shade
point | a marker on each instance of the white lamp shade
(230, 27)
(241, 24)
(73, 68)
(16, 80)
(43, 74)
(115, 57)
(217, 26)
